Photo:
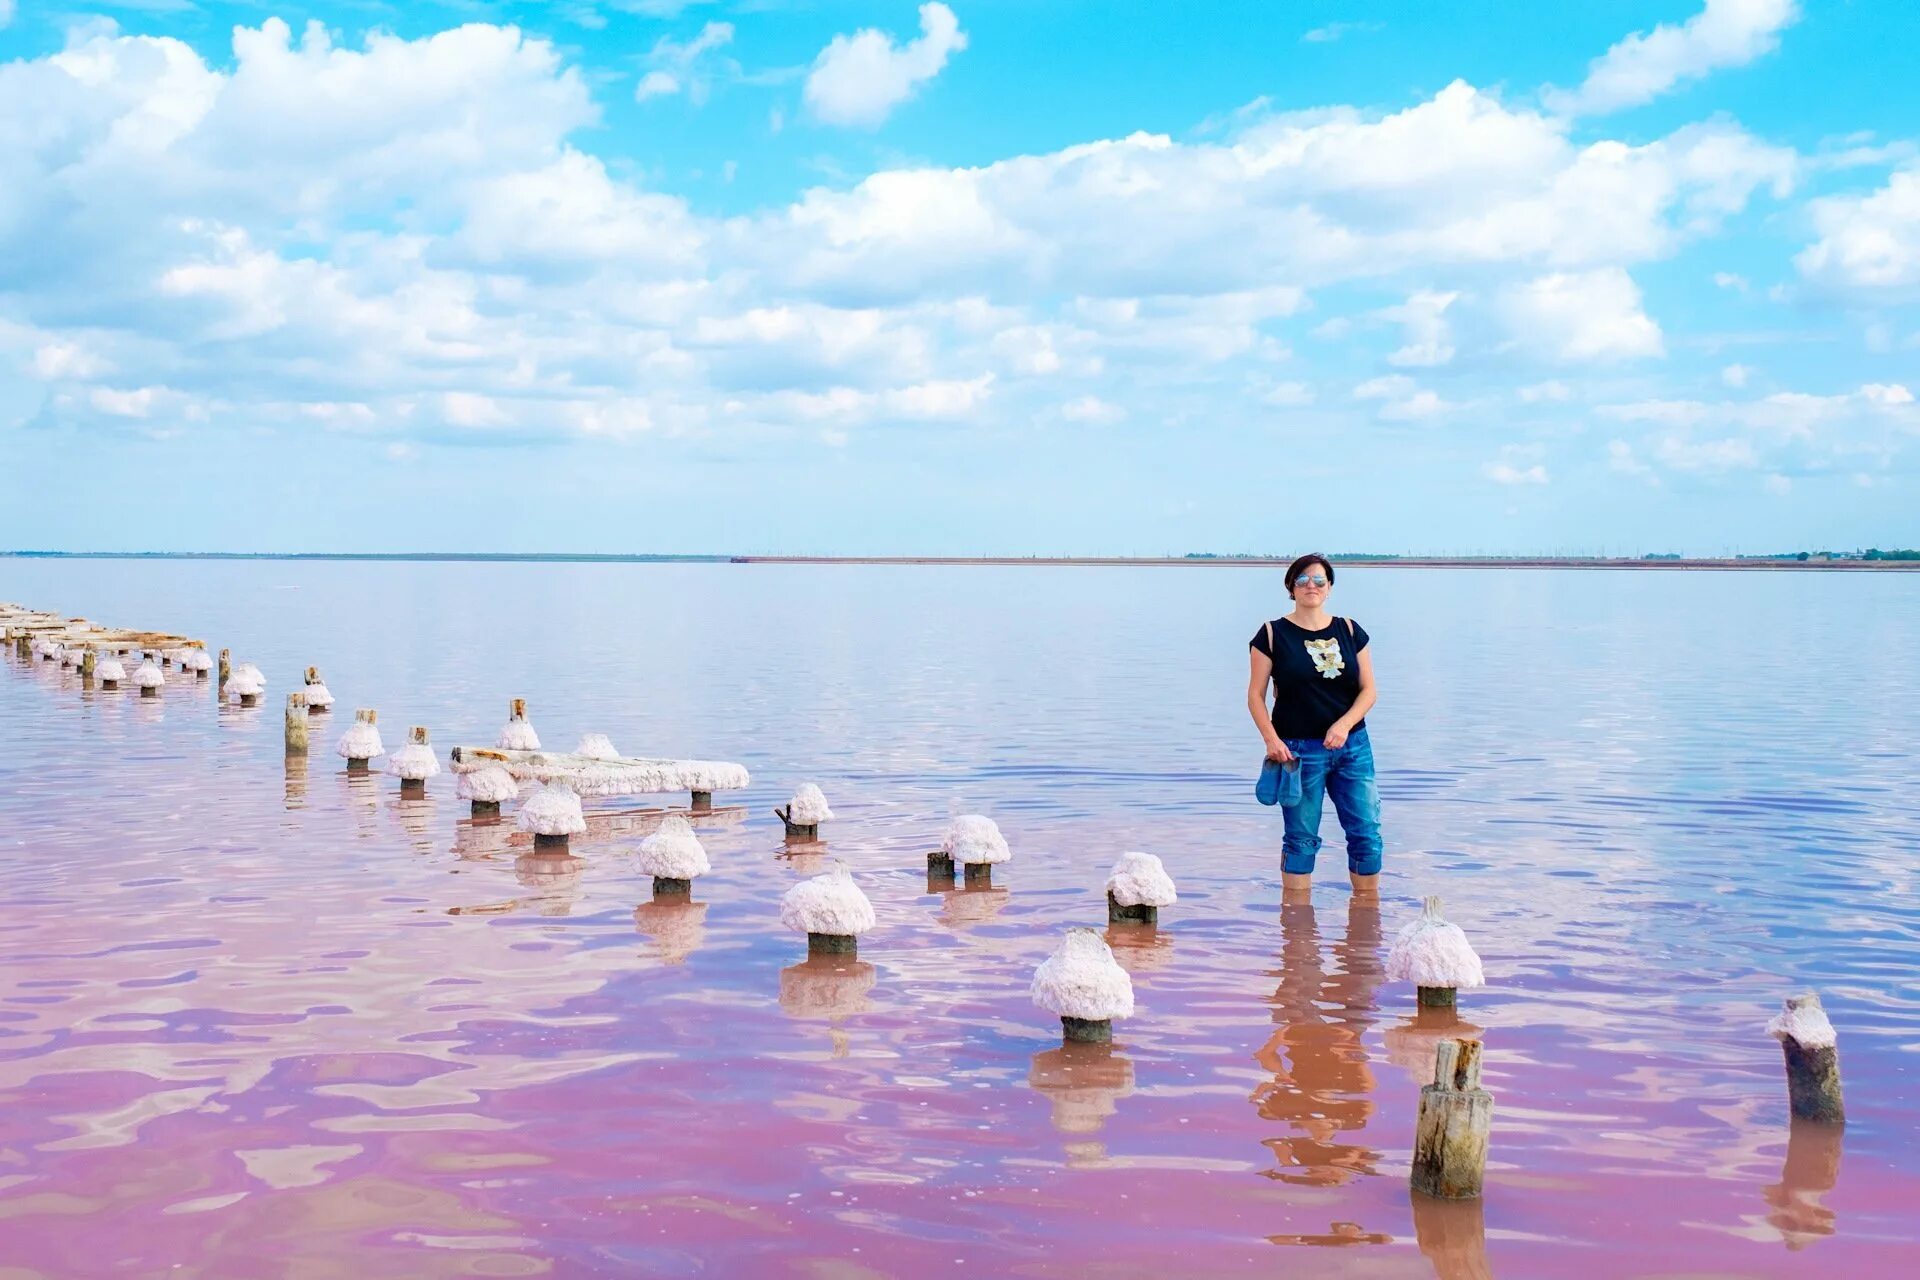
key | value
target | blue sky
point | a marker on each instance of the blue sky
(985, 276)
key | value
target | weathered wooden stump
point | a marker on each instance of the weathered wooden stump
(1812, 1053)
(296, 724)
(979, 874)
(940, 865)
(486, 808)
(1434, 997)
(89, 663)
(833, 944)
(1087, 1030)
(668, 887)
(702, 802)
(1117, 913)
(550, 844)
(798, 831)
(226, 667)
(1456, 1116)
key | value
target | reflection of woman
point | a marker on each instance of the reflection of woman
(1322, 676)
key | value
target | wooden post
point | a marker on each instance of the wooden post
(365, 715)
(669, 887)
(1456, 1116)
(550, 844)
(1083, 1030)
(296, 724)
(226, 667)
(1813, 1064)
(979, 874)
(88, 662)
(414, 788)
(797, 831)
(941, 865)
(837, 944)
(702, 802)
(1434, 997)
(1140, 914)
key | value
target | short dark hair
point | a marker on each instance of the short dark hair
(1299, 567)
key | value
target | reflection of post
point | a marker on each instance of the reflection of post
(1411, 1042)
(675, 924)
(1811, 1168)
(296, 782)
(828, 986)
(554, 878)
(1452, 1236)
(1083, 1082)
(1322, 1083)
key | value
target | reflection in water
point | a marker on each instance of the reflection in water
(971, 905)
(482, 839)
(296, 794)
(676, 925)
(1411, 1043)
(1321, 1080)
(1810, 1170)
(554, 879)
(830, 987)
(416, 819)
(1084, 1082)
(1452, 1236)
(1336, 1234)
(1139, 948)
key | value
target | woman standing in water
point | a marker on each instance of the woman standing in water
(1322, 675)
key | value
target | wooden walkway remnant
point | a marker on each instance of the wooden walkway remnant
(620, 776)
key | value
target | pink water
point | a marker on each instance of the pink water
(261, 1020)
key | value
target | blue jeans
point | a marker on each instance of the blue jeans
(1345, 774)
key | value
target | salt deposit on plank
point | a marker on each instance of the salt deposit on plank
(596, 746)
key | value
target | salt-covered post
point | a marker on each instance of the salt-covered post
(226, 667)
(517, 734)
(830, 910)
(111, 673)
(361, 742)
(552, 816)
(296, 724)
(972, 843)
(1436, 957)
(1812, 1052)
(1084, 986)
(319, 697)
(486, 788)
(804, 813)
(1456, 1117)
(1137, 887)
(247, 683)
(414, 763)
(149, 678)
(673, 856)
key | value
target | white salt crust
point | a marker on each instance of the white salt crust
(318, 695)
(196, 660)
(1141, 880)
(518, 735)
(246, 681)
(828, 903)
(1803, 1021)
(973, 837)
(808, 806)
(415, 762)
(361, 741)
(110, 669)
(620, 778)
(1083, 980)
(1432, 953)
(673, 851)
(596, 746)
(553, 810)
(492, 784)
(149, 675)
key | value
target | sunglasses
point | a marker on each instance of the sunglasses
(1310, 580)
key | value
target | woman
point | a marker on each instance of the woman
(1322, 674)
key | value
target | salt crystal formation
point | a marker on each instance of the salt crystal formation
(110, 669)
(830, 903)
(149, 675)
(673, 852)
(974, 838)
(491, 785)
(1083, 980)
(1432, 953)
(318, 695)
(554, 810)
(195, 660)
(596, 746)
(1803, 1021)
(247, 682)
(518, 735)
(414, 762)
(1141, 880)
(361, 742)
(808, 806)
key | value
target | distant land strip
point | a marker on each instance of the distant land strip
(1816, 562)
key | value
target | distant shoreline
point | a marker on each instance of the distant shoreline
(1208, 562)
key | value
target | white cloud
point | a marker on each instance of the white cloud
(1732, 281)
(1577, 316)
(64, 361)
(1869, 246)
(1736, 375)
(1401, 400)
(1550, 391)
(859, 79)
(1507, 473)
(137, 403)
(1429, 339)
(1288, 395)
(1726, 33)
(1886, 395)
(1334, 30)
(6, 13)
(675, 67)
(1777, 484)
(1092, 409)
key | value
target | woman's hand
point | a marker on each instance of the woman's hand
(1336, 737)
(1277, 750)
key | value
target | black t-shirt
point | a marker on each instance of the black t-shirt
(1316, 675)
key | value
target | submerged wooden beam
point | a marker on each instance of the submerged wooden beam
(623, 775)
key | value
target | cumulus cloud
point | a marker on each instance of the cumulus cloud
(859, 79)
(1507, 473)
(1429, 340)
(1584, 315)
(1793, 431)
(1726, 33)
(1092, 409)
(1401, 399)
(1869, 246)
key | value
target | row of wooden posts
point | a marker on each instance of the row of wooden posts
(1455, 1114)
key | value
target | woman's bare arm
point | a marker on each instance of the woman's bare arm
(1260, 671)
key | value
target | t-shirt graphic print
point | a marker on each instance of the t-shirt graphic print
(1326, 657)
